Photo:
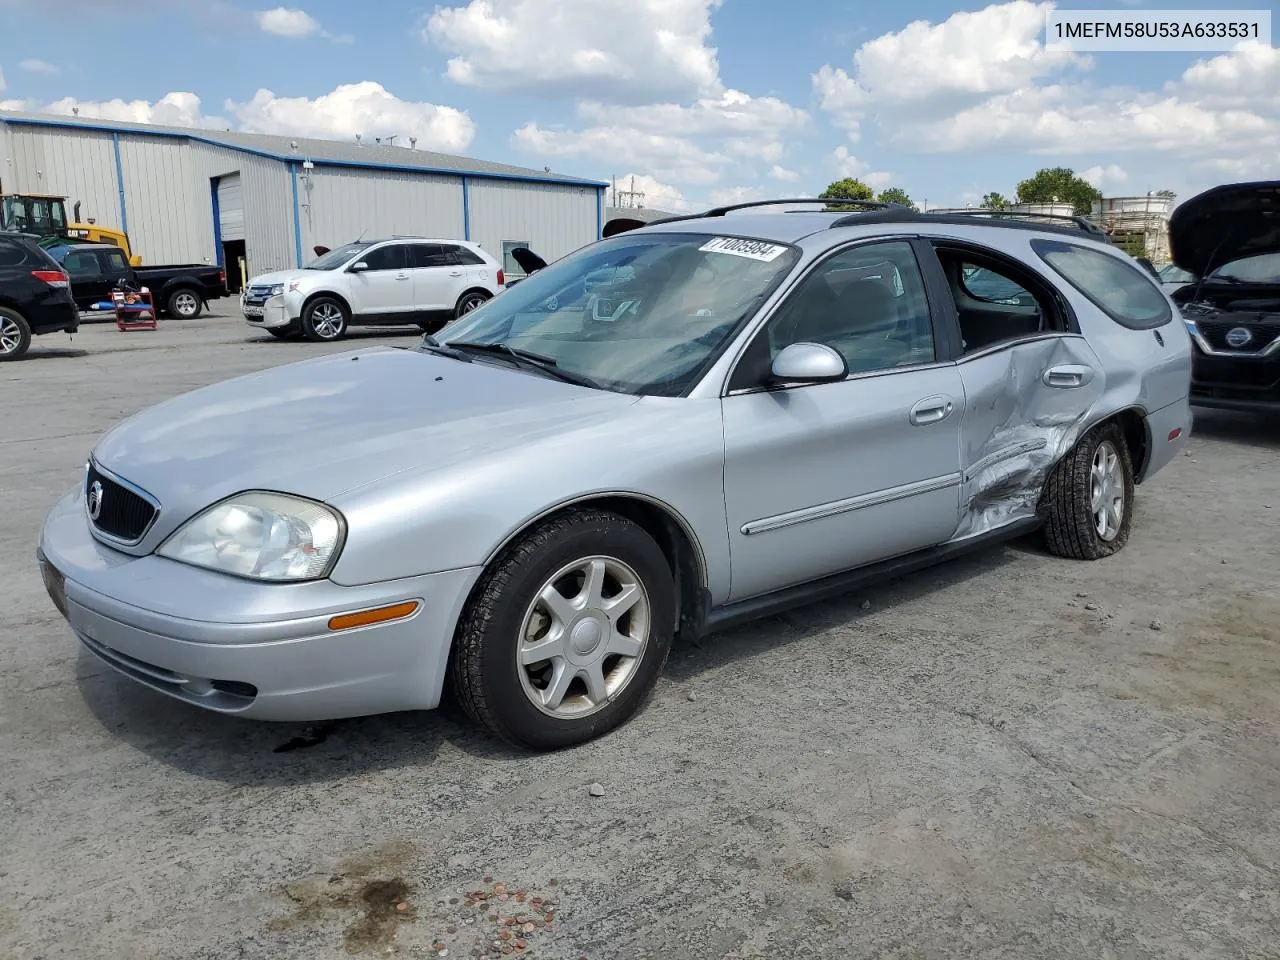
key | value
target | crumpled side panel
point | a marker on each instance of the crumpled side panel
(1016, 427)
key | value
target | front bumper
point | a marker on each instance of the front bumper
(276, 312)
(256, 650)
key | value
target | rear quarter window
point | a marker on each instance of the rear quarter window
(11, 254)
(1124, 292)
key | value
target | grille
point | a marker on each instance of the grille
(122, 513)
(1215, 333)
(258, 293)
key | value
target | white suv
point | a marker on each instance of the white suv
(374, 282)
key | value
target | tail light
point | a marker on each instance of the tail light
(54, 278)
(502, 279)
(222, 277)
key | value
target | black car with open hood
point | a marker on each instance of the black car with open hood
(1229, 238)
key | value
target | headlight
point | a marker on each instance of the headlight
(262, 536)
(277, 290)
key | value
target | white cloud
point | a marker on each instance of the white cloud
(783, 174)
(366, 108)
(667, 158)
(295, 24)
(176, 109)
(982, 81)
(629, 51)
(1105, 176)
(39, 66)
(732, 195)
(935, 68)
(286, 22)
(657, 195)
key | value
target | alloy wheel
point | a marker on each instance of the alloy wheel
(583, 637)
(1106, 491)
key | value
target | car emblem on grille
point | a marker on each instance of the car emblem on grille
(1239, 337)
(94, 500)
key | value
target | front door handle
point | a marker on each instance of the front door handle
(1068, 375)
(402, 276)
(931, 410)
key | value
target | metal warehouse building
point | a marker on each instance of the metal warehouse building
(187, 195)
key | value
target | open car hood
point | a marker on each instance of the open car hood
(1225, 223)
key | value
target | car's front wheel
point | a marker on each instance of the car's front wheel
(324, 319)
(567, 632)
(1089, 497)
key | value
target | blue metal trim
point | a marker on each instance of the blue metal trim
(600, 213)
(466, 208)
(252, 151)
(124, 212)
(217, 223)
(297, 217)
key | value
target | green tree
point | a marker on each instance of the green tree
(896, 195)
(994, 201)
(1059, 184)
(846, 189)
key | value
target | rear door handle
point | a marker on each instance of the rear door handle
(1068, 375)
(455, 273)
(931, 410)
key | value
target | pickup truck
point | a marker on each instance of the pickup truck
(180, 290)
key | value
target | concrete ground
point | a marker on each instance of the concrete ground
(1001, 758)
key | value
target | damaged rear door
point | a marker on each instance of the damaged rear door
(1030, 380)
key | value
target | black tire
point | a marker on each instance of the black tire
(484, 675)
(470, 301)
(184, 304)
(1071, 529)
(15, 334)
(325, 320)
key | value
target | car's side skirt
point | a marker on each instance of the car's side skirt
(753, 608)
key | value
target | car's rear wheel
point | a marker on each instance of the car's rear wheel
(15, 334)
(567, 632)
(324, 319)
(185, 304)
(1089, 497)
(471, 300)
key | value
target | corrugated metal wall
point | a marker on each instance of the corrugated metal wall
(169, 198)
(78, 165)
(339, 204)
(555, 220)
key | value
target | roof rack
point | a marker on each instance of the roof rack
(1082, 223)
(825, 201)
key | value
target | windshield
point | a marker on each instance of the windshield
(637, 313)
(1172, 273)
(1263, 268)
(336, 257)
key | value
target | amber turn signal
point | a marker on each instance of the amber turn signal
(367, 618)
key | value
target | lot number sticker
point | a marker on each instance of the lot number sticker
(737, 247)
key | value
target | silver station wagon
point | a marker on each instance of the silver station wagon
(675, 429)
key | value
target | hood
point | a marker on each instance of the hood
(326, 425)
(1225, 223)
(529, 261)
(270, 279)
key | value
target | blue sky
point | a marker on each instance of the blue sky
(701, 100)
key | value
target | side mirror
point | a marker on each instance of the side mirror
(808, 363)
(359, 267)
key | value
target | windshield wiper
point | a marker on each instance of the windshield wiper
(530, 361)
(433, 345)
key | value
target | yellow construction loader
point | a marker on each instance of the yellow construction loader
(45, 216)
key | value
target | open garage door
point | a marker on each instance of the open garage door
(230, 208)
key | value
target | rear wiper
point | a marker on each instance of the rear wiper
(530, 361)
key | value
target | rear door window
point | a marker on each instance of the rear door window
(1122, 290)
(429, 255)
(81, 263)
(116, 263)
